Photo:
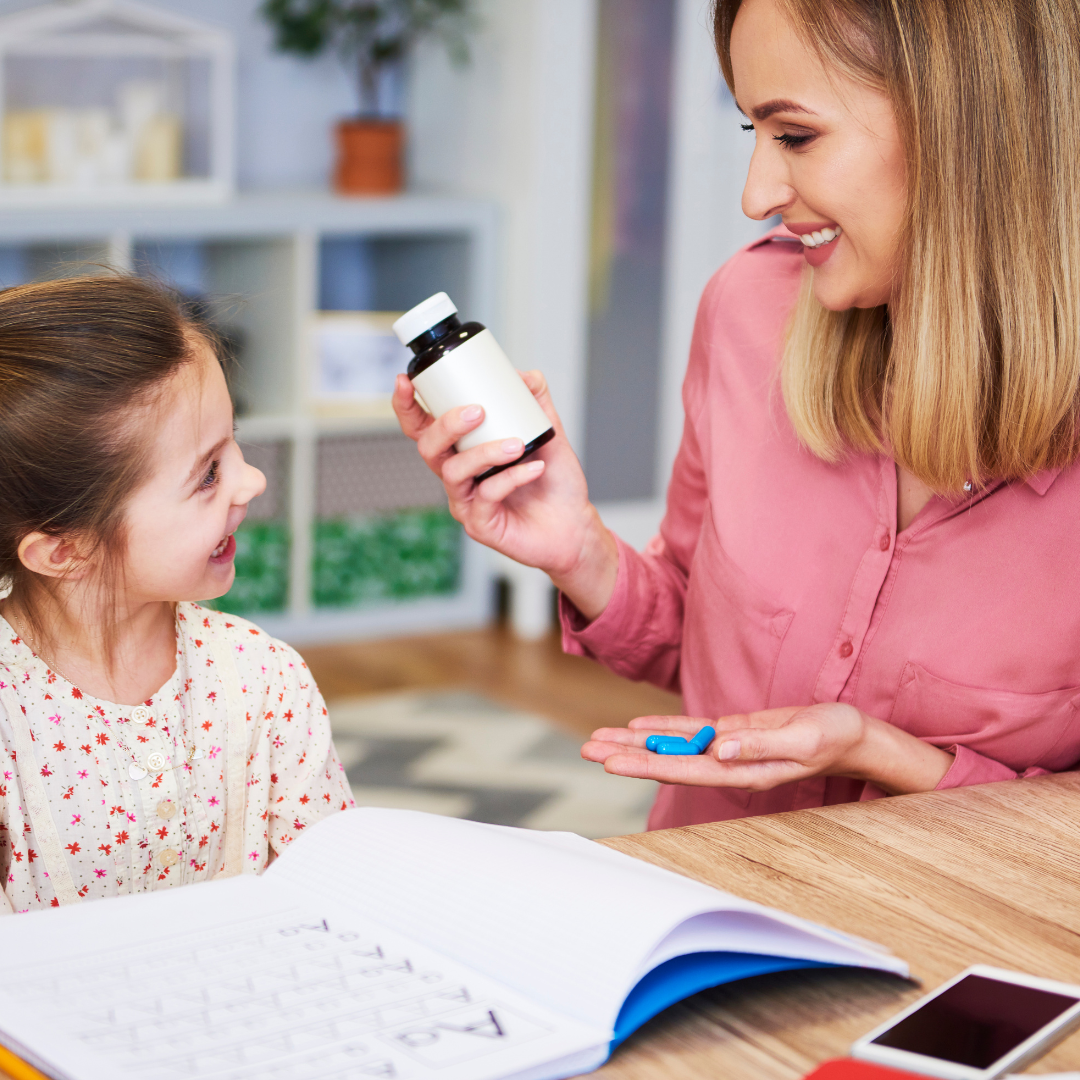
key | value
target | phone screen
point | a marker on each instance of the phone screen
(976, 1021)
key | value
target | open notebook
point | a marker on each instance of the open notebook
(387, 943)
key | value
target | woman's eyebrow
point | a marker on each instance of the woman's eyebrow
(763, 112)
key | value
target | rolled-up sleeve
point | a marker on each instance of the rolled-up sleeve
(969, 768)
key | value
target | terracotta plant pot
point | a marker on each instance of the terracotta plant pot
(369, 157)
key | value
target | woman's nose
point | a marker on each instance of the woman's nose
(768, 189)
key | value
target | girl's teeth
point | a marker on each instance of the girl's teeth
(818, 238)
(220, 548)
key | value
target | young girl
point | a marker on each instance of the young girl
(145, 741)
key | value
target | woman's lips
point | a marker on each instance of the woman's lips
(816, 256)
(228, 552)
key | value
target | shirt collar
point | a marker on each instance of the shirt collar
(1041, 481)
(779, 233)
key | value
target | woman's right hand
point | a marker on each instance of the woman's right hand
(537, 512)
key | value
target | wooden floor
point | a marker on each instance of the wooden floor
(577, 694)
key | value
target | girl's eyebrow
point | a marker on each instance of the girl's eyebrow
(763, 112)
(200, 466)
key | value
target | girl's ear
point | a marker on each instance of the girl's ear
(51, 556)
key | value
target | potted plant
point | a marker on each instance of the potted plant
(373, 37)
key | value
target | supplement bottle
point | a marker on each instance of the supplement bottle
(459, 363)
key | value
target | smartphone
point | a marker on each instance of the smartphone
(981, 1024)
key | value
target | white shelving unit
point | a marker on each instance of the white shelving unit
(271, 261)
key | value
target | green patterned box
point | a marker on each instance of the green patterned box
(262, 570)
(408, 553)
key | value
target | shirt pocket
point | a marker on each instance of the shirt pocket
(732, 634)
(1019, 730)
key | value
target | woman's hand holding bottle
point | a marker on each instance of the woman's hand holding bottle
(537, 512)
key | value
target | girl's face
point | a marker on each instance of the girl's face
(180, 522)
(827, 157)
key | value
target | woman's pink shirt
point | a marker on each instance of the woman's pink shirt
(778, 579)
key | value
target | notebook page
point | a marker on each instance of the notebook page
(238, 980)
(564, 924)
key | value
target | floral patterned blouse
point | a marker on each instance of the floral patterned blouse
(124, 799)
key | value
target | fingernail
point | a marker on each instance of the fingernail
(471, 413)
(728, 751)
(535, 466)
(512, 446)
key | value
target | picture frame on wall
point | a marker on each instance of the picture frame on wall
(355, 360)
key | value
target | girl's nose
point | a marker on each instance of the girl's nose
(252, 485)
(768, 189)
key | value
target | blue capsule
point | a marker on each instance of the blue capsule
(670, 744)
(677, 745)
(703, 739)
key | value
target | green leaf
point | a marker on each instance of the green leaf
(301, 26)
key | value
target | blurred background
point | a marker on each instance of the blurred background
(569, 171)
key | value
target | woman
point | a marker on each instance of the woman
(866, 568)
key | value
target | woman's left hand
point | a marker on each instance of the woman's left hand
(758, 751)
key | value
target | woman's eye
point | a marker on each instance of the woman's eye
(747, 127)
(211, 477)
(789, 141)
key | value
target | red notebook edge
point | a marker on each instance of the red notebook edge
(850, 1069)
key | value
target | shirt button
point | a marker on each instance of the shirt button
(168, 857)
(140, 715)
(166, 809)
(155, 761)
(846, 650)
(886, 542)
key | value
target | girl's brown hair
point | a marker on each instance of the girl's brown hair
(973, 372)
(78, 359)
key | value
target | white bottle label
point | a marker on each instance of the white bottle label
(478, 372)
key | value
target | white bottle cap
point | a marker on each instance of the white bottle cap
(424, 316)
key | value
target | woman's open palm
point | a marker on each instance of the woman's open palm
(755, 751)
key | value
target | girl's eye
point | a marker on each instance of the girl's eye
(747, 127)
(789, 141)
(211, 477)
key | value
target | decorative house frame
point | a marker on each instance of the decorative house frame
(82, 32)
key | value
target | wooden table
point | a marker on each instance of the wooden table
(987, 874)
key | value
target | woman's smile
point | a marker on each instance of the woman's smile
(818, 239)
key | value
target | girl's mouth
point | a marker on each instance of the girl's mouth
(225, 550)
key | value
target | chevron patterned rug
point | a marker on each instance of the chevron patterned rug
(461, 754)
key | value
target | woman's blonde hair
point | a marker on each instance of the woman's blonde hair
(973, 371)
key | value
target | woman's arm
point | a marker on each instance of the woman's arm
(759, 751)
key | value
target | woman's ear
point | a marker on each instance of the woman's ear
(51, 556)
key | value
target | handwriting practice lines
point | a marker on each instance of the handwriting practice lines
(285, 996)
